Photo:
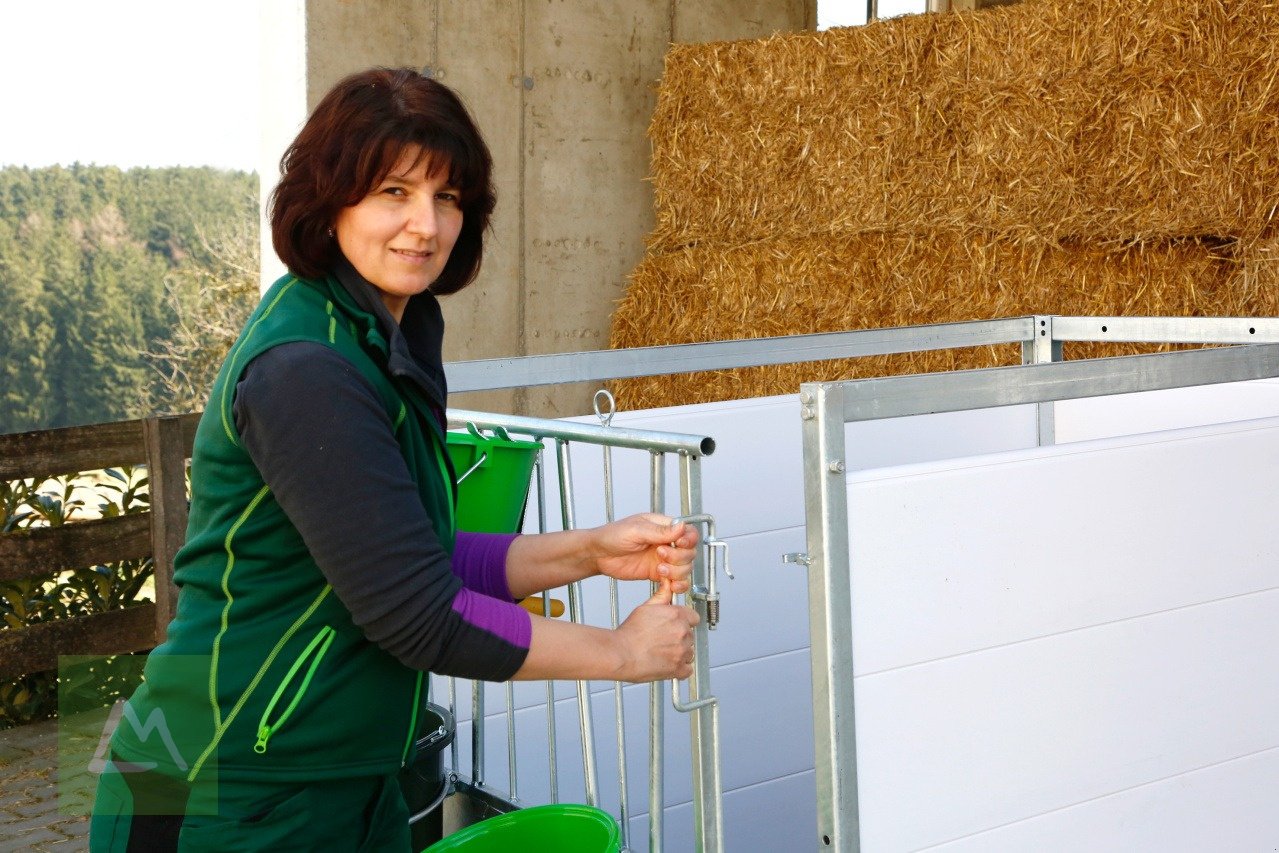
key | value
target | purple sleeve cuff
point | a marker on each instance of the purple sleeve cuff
(479, 559)
(502, 619)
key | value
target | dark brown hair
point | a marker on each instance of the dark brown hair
(352, 140)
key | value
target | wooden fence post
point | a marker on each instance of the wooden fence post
(166, 465)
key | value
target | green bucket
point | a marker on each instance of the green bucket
(562, 828)
(493, 474)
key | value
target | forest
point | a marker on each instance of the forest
(119, 289)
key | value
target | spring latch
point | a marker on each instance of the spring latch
(717, 557)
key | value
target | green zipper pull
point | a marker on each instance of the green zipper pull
(314, 651)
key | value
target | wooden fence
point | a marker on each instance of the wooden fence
(164, 445)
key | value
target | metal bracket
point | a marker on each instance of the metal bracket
(798, 557)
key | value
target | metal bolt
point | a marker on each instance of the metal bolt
(836, 467)
(428, 72)
(807, 413)
(528, 82)
(806, 398)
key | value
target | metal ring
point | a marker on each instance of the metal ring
(606, 418)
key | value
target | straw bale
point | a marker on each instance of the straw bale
(834, 283)
(1090, 119)
(1259, 267)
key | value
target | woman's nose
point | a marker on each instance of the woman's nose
(422, 220)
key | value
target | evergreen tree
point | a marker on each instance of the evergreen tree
(25, 335)
(106, 275)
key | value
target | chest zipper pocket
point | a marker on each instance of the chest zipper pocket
(310, 658)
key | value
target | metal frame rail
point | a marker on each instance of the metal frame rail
(702, 707)
(1040, 336)
(827, 406)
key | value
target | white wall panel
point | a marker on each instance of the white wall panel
(1038, 629)
(1227, 806)
(1007, 734)
(1151, 411)
(1031, 543)
(755, 476)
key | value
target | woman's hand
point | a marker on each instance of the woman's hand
(653, 644)
(646, 547)
(657, 640)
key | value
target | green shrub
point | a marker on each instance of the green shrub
(80, 592)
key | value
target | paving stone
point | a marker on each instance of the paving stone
(30, 823)
(38, 836)
(12, 754)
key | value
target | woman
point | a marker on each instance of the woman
(322, 577)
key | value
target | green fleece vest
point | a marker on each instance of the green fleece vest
(264, 676)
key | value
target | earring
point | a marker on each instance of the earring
(330, 231)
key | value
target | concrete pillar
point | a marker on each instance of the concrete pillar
(564, 91)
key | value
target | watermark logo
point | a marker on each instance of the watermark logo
(137, 752)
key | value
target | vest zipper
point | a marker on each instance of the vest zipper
(315, 651)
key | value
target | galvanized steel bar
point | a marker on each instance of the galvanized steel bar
(829, 610)
(708, 828)
(624, 810)
(539, 475)
(495, 373)
(587, 723)
(1041, 349)
(453, 746)
(899, 396)
(477, 732)
(656, 705)
(641, 439)
(1168, 330)
(511, 774)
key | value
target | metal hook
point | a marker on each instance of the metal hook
(606, 418)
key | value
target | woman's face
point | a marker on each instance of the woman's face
(399, 235)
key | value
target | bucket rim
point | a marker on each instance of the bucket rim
(461, 437)
(513, 818)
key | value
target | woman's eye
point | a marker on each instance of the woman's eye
(393, 190)
(449, 197)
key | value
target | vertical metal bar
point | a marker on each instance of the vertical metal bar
(453, 747)
(624, 811)
(477, 732)
(708, 827)
(510, 742)
(585, 720)
(656, 690)
(872, 10)
(1041, 349)
(546, 612)
(830, 615)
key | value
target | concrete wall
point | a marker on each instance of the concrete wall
(564, 91)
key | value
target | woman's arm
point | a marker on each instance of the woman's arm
(641, 547)
(320, 436)
(317, 431)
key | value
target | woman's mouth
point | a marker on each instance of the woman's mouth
(412, 255)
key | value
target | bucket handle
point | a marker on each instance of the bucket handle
(444, 792)
(498, 431)
(471, 470)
